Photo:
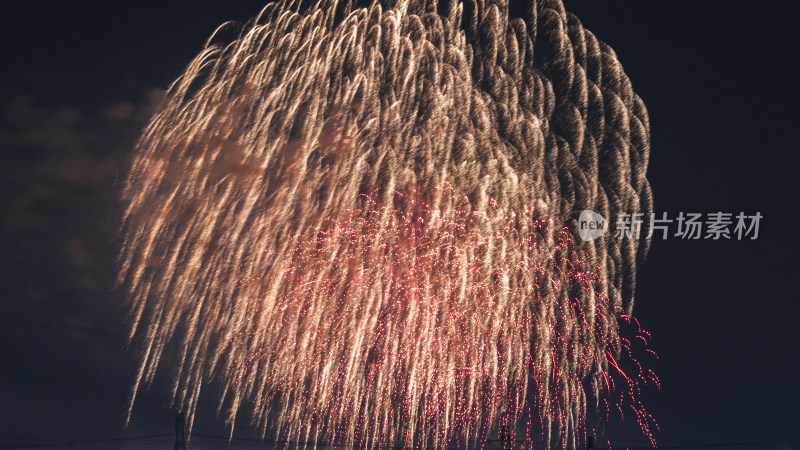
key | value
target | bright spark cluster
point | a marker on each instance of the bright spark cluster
(359, 222)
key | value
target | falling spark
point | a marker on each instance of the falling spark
(360, 222)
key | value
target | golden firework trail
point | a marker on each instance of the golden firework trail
(359, 220)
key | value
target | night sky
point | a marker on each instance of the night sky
(719, 80)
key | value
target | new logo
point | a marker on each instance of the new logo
(591, 225)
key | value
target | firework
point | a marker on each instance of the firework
(360, 221)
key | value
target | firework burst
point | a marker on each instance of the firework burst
(360, 222)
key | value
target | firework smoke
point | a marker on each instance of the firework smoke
(360, 222)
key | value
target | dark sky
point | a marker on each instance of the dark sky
(720, 82)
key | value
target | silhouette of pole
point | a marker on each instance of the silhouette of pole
(180, 435)
(590, 442)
